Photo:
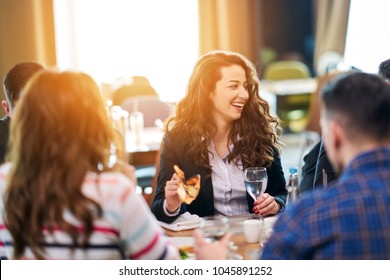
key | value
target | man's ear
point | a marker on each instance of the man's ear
(6, 107)
(338, 135)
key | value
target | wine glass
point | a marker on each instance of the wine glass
(213, 228)
(255, 179)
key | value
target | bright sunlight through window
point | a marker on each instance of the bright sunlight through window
(368, 40)
(111, 39)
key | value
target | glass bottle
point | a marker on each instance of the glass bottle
(292, 186)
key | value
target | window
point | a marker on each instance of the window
(110, 39)
(368, 40)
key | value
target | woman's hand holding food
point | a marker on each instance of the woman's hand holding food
(172, 198)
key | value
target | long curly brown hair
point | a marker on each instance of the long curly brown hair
(255, 135)
(61, 130)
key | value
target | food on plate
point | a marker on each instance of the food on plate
(188, 188)
(186, 251)
(189, 249)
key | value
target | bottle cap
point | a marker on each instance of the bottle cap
(293, 170)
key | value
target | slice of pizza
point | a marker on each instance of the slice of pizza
(188, 188)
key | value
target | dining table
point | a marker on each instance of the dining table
(241, 248)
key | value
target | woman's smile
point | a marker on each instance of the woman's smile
(239, 105)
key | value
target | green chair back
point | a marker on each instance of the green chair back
(286, 70)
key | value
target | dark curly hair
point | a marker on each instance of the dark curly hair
(255, 135)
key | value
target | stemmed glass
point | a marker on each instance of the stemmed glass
(213, 228)
(256, 180)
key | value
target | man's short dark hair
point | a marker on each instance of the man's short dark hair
(384, 70)
(361, 102)
(16, 79)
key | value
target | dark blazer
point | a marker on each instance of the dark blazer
(309, 168)
(4, 131)
(174, 152)
(323, 164)
(315, 161)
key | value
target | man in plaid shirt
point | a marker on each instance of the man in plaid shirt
(351, 218)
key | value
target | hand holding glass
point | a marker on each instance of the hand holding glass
(256, 180)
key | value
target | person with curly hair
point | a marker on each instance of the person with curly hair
(62, 196)
(220, 127)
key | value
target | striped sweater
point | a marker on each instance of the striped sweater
(126, 230)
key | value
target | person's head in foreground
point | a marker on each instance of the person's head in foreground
(60, 196)
(15, 80)
(350, 219)
(355, 117)
(13, 83)
(384, 70)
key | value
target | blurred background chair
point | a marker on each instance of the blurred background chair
(291, 109)
(286, 70)
(135, 94)
(154, 110)
(134, 86)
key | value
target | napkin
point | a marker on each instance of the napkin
(184, 222)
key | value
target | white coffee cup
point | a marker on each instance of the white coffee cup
(252, 230)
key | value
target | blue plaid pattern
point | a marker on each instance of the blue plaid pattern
(349, 220)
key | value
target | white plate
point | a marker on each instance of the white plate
(182, 240)
(235, 256)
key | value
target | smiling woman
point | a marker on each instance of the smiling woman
(221, 126)
(110, 39)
